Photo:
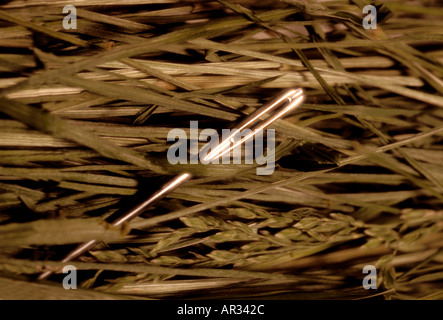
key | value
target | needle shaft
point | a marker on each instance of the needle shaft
(165, 189)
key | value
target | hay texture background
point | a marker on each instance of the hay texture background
(84, 119)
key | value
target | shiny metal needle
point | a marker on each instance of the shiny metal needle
(273, 110)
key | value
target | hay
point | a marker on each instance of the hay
(84, 119)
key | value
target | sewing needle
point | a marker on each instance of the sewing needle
(271, 111)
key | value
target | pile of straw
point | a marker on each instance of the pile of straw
(85, 114)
